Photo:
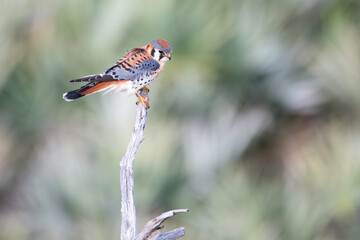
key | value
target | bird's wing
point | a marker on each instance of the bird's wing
(132, 66)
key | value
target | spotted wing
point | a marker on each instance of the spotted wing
(136, 64)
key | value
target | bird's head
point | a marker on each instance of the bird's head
(160, 49)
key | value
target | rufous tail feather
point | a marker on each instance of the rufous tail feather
(90, 88)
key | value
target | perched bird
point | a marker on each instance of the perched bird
(131, 74)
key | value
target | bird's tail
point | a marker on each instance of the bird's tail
(71, 96)
(97, 83)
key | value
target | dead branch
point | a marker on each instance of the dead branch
(153, 229)
(128, 222)
(174, 234)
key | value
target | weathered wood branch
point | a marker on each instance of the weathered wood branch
(174, 234)
(152, 229)
(128, 212)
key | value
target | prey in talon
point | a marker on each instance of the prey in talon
(131, 74)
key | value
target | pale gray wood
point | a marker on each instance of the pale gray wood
(154, 224)
(172, 235)
(152, 229)
(128, 212)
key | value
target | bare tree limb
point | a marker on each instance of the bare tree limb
(154, 225)
(152, 229)
(174, 234)
(128, 212)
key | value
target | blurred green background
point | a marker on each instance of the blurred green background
(253, 126)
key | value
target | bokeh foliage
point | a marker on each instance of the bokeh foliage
(253, 126)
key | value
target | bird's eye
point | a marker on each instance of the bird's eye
(162, 53)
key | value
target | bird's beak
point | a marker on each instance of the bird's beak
(169, 56)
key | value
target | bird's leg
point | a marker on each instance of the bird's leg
(146, 89)
(142, 98)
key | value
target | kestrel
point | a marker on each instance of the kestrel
(132, 73)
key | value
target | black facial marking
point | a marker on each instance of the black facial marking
(153, 52)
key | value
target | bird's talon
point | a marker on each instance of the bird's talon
(143, 101)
